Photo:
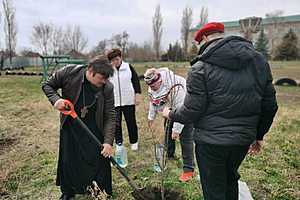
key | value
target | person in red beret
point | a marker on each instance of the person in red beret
(231, 102)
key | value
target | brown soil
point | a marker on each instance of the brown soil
(6, 143)
(155, 194)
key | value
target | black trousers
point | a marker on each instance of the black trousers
(218, 166)
(168, 138)
(129, 114)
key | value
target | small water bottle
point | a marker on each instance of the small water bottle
(158, 162)
(156, 167)
(121, 156)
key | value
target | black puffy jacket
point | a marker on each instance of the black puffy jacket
(230, 98)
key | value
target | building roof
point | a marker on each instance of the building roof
(265, 21)
(31, 54)
(75, 54)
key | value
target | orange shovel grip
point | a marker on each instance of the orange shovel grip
(69, 109)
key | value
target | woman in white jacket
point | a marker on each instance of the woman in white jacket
(167, 88)
(127, 92)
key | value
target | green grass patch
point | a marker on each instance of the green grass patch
(28, 167)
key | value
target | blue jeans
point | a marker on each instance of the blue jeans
(187, 146)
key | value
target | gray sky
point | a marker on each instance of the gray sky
(100, 19)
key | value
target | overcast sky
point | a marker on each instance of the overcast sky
(100, 19)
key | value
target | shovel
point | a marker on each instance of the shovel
(69, 110)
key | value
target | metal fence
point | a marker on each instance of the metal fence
(21, 62)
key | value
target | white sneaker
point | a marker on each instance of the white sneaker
(135, 146)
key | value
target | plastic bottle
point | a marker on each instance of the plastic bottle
(159, 150)
(156, 167)
(121, 156)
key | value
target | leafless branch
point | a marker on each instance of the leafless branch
(186, 23)
(157, 31)
(10, 27)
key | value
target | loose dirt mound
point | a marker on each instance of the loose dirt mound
(155, 194)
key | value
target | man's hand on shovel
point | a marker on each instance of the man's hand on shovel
(67, 108)
(60, 104)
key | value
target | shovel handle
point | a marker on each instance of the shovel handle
(69, 110)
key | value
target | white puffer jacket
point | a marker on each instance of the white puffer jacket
(123, 88)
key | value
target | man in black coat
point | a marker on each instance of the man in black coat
(81, 160)
(231, 101)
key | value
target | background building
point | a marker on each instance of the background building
(274, 28)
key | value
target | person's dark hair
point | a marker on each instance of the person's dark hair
(114, 53)
(101, 65)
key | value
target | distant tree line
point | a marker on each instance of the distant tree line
(49, 39)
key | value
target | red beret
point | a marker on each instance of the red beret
(207, 29)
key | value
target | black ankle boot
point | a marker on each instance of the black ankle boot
(66, 196)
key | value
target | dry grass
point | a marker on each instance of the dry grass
(28, 166)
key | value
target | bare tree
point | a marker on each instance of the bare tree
(203, 16)
(0, 24)
(141, 53)
(57, 40)
(148, 49)
(10, 27)
(41, 37)
(120, 41)
(250, 26)
(186, 22)
(1, 52)
(157, 34)
(116, 41)
(100, 48)
(124, 42)
(274, 14)
(273, 30)
(74, 39)
(157, 31)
